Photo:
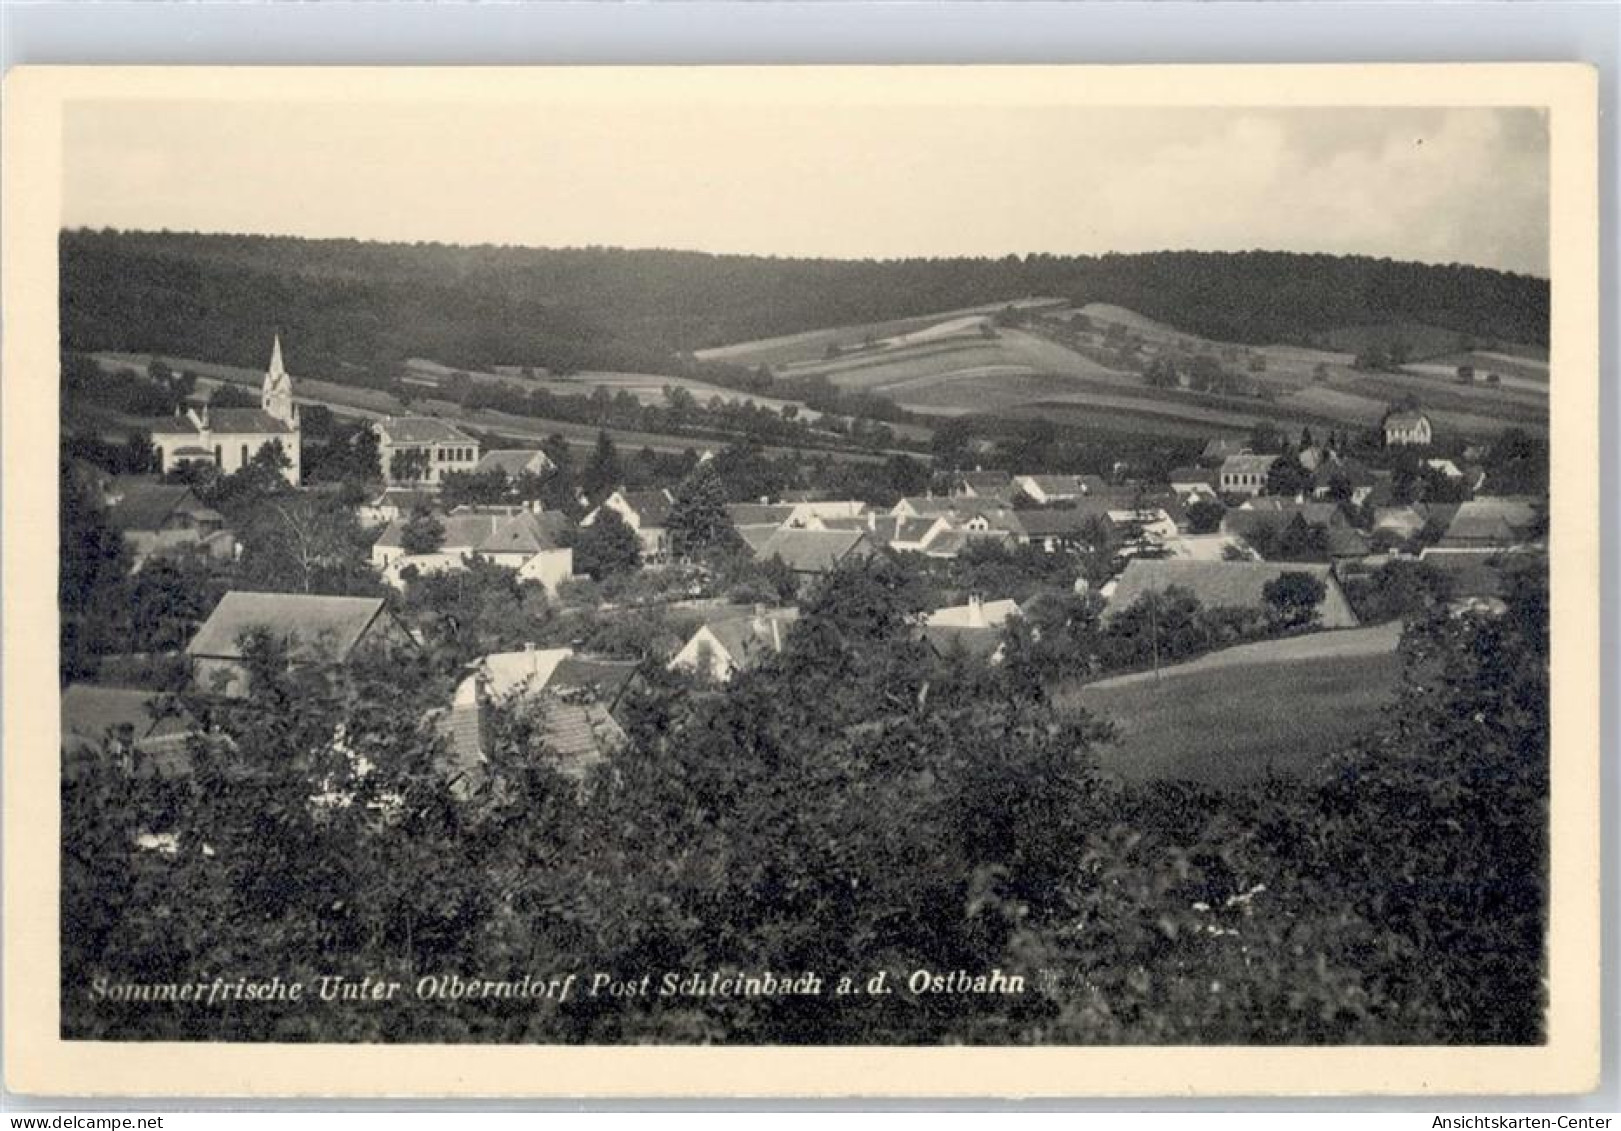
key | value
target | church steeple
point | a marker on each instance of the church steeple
(276, 398)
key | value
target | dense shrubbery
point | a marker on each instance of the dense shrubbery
(847, 807)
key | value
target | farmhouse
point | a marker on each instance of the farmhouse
(1245, 474)
(421, 450)
(315, 630)
(1046, 489)
(514, 462)
(985, 485)
(721, 648)
(976, 613)
(394, 503)
(1492, 524)
(228, 439)
(815, 552)
(531, 542)
(1226, 585)
(1349, 475)
(161, 518)
(1407, 428)
(1194, 480)
(645, 512)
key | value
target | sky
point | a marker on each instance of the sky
(1437, 185)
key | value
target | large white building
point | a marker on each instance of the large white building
(229, 438)
(419, 451)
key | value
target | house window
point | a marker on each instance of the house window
(244, 455)
(217, 456)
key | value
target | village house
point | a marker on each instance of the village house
(1219, 448)
(977, 613)
(1245, 474)
(925, 506)
(1225, 585)
(1194, 481)
(1350, 475)
(1493, 523)
(514, 462)
(645, 512)
(315, 630)
(1049, 489)
(394, 503)
(228, 439)
(162, 518)
(1407, 521)
(531, 542)
(419, 451)
(1471, 476)
(1273, 515)
(573, 699)
(812, 553)
(725, 645)
(985, 485)
(1407, 428)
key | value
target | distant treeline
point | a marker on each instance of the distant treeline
(345, 305)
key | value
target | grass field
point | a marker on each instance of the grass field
(812, 344)
(1237, 715)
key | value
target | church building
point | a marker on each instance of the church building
(229, 438)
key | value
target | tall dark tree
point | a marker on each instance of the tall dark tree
(603, 472)
(699, 524)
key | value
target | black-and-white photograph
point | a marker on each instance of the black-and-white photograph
(805, 572)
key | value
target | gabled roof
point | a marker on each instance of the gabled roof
(421, 430)
(1220, 447)
(1247, 464)
(405, 499)
(1192, 475)
(759, 514)
(929, 504)
(652, 507)
(811, 551)
(514, 461)
(1066, 485)
(1491, 522)
(317, 627)
(752, 635)
(1354, 472)
(245, 420)
(606, 680)
(1058, 522)
(1225, 584)
(498, 531)
(144, 505)
(1405, 419)
(986, 482)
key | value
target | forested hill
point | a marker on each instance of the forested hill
(349, 303)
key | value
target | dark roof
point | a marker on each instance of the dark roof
(318, 627)
(987, 482)
(653, 507)
(1491, 522)
(759, 514)
(1057, 521)
(576, 736)
(405, 498)
(607, 678)
(249, 420)
(1192, 475)
(421, 430)
(144, 505)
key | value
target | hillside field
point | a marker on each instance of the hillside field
(1238, 715)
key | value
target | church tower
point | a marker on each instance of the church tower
(276, 398)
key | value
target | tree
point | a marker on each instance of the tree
(607, 547)
(1466, 374)
(1287, 476)
(1205, 515)
(603, 472)
(1161, 373)
(409, 465)
(422, 533)
(1293, 599)
(1265, 437)
(699, 524)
